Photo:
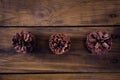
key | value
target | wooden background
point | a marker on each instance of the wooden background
(58, 16)
(59, 12)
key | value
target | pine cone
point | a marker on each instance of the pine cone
(59, 43)
(99, 42)
(23, 42)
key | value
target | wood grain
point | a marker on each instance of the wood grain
(59, 12)
(78, 59)
(82, 76)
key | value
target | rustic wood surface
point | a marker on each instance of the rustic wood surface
(78, 59)
(81, 76)
(59, 12)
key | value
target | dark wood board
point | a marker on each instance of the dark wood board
(59, 12)
(78, 59)
(81, 76)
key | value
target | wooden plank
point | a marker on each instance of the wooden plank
(78, 59)
(82, 76)
(1, 12)
(60, 12)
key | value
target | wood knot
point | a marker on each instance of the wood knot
(115, 36)
(114, 60)
(113, 15)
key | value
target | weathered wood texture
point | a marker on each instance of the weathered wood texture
(78, 59)
(59, 12)
(84, 76)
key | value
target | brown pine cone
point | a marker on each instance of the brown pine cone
(59, 43)
(99, 42)
(23, 42)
